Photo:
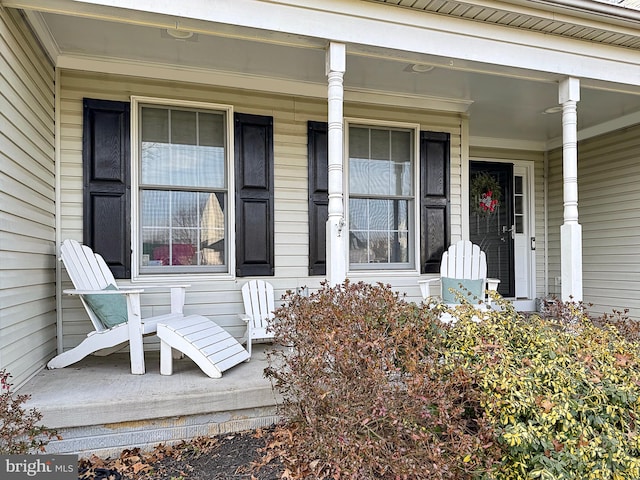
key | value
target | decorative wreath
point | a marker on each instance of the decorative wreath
(485, 194)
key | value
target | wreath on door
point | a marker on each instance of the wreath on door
(485, 194)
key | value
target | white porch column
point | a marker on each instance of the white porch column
(571, 230)
(336, 245)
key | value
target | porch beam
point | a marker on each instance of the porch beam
(571, 230)
(336, 60)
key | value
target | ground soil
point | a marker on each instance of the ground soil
(247, 455)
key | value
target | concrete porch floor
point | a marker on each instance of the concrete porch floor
(99, 407)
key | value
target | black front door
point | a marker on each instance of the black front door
(491, 219)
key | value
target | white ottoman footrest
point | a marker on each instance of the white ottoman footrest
(210, 346)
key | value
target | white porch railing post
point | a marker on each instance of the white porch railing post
(336, 230)
(571, 230)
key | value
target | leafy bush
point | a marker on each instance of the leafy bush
(366, 394)
(375, 387)
(18, 430)
(562, 394)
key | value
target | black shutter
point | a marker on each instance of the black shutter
(434, 199)
(254, 195)
(107, 188)
(318, 145)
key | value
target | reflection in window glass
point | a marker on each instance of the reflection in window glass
(182, 148)
(182, 228)
(380, 196)
(182, 189)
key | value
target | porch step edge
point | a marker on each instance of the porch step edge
(110, 410)
(108, 440)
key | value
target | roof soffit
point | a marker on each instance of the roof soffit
(551, 20)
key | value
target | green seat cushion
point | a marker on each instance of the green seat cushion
(472, 290)
(111, 310)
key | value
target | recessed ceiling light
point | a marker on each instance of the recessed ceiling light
(179, 34)
(555, 109)
(421, 67)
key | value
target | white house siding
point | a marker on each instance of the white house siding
(27, 202)
(608, 200)
(216, 297)
(537, 157)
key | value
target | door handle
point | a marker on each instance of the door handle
(506, 229)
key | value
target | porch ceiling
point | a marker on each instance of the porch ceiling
(506, 105)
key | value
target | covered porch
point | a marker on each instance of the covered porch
(507, 85)
(98, 407)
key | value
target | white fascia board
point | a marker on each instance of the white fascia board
(255, 82)
(405, 30)
(571, 11)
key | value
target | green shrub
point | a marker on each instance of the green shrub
(375, 387)
(19, 432)
(365, 392)
(562, 394)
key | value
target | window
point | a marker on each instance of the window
(183, 189)
(173, 201)
(432, 199)
(381, 197)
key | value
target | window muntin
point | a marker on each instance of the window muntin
(381, 202)
(183, 190)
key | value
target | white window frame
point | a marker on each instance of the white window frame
(136, 103)
(413, 266)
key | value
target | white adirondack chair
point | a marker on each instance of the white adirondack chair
(259, 305)
(91, 275)
(465, 261)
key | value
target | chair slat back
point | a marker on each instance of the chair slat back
(465, 260)
(87, 271)
(259, 305)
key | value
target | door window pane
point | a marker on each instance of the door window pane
(518, 203)
(517, 185)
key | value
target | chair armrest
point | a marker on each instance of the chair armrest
(151, 287)
(492, 284)
(178, 293)
(103, 292)
(246, 338)
(427, 286)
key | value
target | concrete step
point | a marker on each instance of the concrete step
(99, 407)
